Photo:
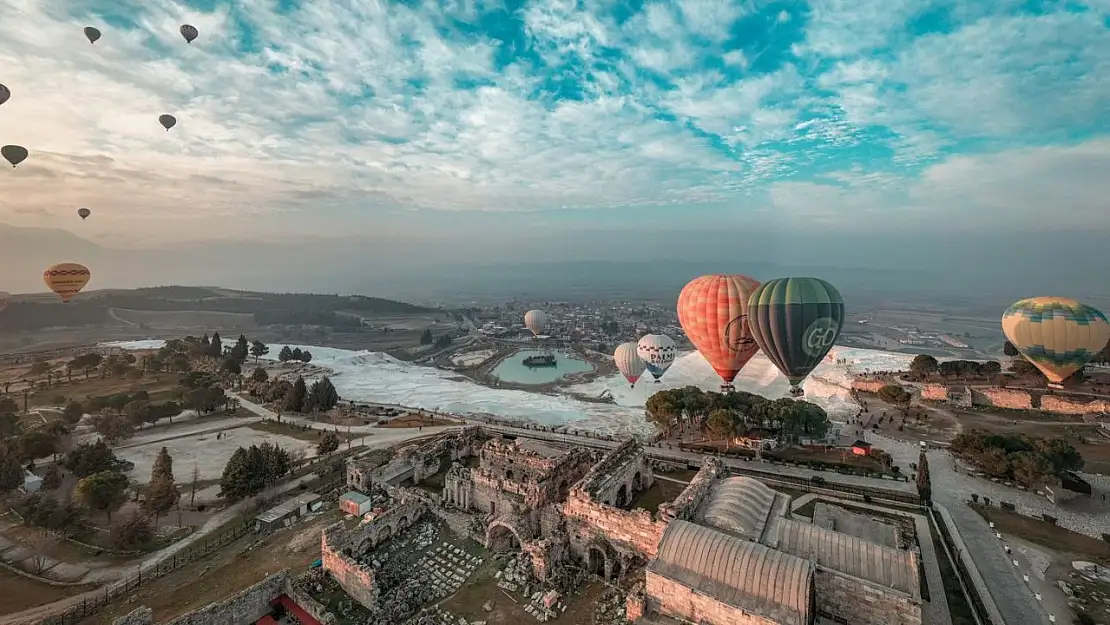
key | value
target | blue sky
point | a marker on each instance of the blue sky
(474, 118)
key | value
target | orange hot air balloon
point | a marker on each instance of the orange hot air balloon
(66, 279)
(713, 311)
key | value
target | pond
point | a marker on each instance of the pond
(512, 369)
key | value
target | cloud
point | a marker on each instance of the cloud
(325, 116)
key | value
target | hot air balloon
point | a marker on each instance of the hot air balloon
(536, 321)
(713, 311)
(629, 362)
(5, 94)
(14, 154)
(1058, 335)
(66, 279)
(84, 213)
(4, 297)
(92, 34)
(189, 32)
(795, 321)
(658, 352)
(167, 121)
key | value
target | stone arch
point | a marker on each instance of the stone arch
(596, 560)
(502, 536)
(623, 496)
(637, 482)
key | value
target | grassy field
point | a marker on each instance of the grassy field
(294, 431)
(415, 420)
(160, 386)
(169, 320)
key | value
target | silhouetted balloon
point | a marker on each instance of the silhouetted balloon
(5, 94)
(92, 34)
(4, 297)
(14, 154)
(167, 121)
(66, 279)
(84, 213)
(795, 321)
(189, 32)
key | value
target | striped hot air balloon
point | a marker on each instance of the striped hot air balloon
(1057, 334)
(629, 362)
(713, 311)
(795, 321)
(66, 279)
(535, 321)
(658, 352)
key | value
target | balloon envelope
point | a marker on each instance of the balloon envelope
(658, 352)
(1058, 335)
(4, 297)
(92, 34)
(5, 94)
(795, 321)
(66, 279)
(84, 213)
(629, 362)
(713, 311)
(189, 32)
(14, 154)
(167, 121)
(536, 321)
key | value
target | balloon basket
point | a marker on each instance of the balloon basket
(1056, 386)
(797, 392)
(727, 388)
(658, 381)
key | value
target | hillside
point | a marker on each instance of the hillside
(36, 312)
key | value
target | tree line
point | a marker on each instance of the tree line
(438, 342)
(726, 415)
(1018, 457)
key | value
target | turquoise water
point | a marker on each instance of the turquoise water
(512, 369)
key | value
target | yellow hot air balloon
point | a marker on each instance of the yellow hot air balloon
(1058, 335)
(66, 279)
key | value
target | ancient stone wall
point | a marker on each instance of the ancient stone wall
(673, 599)
(522, 478)
(374, 530)
(686, 504)
(934, 392)
(866, 385)
(1002, 398)
(355, 579)
(634, 530)
(295, 590)
(546, 554)
(244, 608)
(634, 603)
(1066, 405)
(622, 473)
(861, 603)
(359, 470)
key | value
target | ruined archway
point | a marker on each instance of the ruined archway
(502, 537)
(595, 560)
(637, 482)
(622, 496)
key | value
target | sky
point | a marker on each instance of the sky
(466, 119)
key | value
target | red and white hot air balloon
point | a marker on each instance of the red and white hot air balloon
(713, 311)
(629, 362)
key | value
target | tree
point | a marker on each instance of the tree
(426, 337)
(132, 532)
(52, 478)
(894, 394)
(722, 425)
(1024, 367)
(215, 346)
(991, 368)
(161, 496)
(232, 366)
(163, 465)
(39, 368)
(259, 375)
(194, 482)
(321, 397)
(37, 443)
(73, 412)
(251, 470)
(112, 425)
(258, 350)
(39, 543)
(105, 491)
(241, 349)
(88, 458)
(1009, 349)
(138, 412)
(923, 365)
(286, 354)
(295, 398)
(11, 471)
(924, 482)
(306, 356)
(329, 442)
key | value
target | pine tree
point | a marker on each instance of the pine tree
(286, 354)
(11, 471)
(235, 481)
(328, 443)
(924, 484)
(216, 346)
(52, 478)
(295, 398)
(241, 349)
(258, 350)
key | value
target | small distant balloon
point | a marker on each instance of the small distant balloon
(167, 121)
(92, 34)
(84, 213)
(189, 32)
(14, 154)
(5, 94)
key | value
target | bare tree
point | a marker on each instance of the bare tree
(193, 485)
(39, 543)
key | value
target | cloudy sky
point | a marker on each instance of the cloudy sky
(460, 118)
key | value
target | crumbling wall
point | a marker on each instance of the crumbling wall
(361, 469)
(673, 599)
(862, 603)
(374, 530)
(545, 554)
(686, 504)
(622, 473)
(867, 385)
(634, 603)
(1002, 398)
(635, 530)
(355, 579)
(458, 487)
(244, 608)
(296, 589)
(934, 392)
(521, 479)
(1071, 405)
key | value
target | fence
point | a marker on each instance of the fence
(203, 547)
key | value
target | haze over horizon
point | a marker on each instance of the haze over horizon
(328, 146)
